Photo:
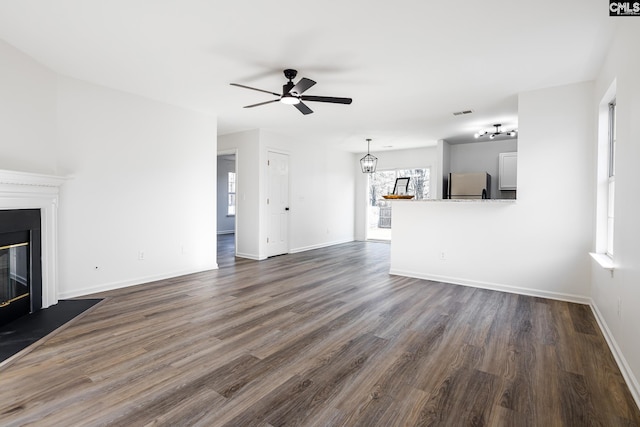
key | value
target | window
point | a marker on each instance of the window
(611, 184)
(381, 183)
(605, 182)
(231, 194)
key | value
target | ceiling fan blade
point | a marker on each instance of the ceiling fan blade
(303, 108)
(261, 103)
(302, 86)
(331, 99)
(253, 88)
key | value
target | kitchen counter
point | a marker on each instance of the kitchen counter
(464, 241)
(456, 200)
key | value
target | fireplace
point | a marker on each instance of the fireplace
(20, 263)
(28, 225)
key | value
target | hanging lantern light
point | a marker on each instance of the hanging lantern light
(368, 163)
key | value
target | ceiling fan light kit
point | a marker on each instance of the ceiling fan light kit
(292, 93)
(496, 132)
(290, 99)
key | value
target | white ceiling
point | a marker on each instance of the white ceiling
(407, 64)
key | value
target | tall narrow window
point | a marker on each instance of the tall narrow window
(612, 175)
(231, 194)
(605, 179)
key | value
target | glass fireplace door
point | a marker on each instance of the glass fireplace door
(14, 274)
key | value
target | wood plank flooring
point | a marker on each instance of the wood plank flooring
(320, 338)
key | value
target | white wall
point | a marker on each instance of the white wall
(387, 160)
(321, 192)
(623, 65)
(143, 180)
(143, 175)
(27, 113)
(538, 244)
(225, 224)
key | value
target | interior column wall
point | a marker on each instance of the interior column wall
(246, 144)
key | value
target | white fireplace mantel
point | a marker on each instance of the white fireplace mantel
(23, 190)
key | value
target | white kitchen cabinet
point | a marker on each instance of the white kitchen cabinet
(508, 171)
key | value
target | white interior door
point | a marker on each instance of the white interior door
(278, 203)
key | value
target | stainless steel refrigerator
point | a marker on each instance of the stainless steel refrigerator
(476, 185)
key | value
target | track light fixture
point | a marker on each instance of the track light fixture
(496, 132)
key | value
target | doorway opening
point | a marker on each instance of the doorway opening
(226, 224)
(379, 221)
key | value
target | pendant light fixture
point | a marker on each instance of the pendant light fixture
(368, 163)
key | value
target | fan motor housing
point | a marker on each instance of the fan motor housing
(290, 73)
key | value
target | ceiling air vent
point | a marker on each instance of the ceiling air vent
(462, 113)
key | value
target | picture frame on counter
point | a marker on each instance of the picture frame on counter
(401, 186)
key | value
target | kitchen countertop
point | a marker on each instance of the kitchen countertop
(456, 200)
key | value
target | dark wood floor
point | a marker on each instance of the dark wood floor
(320, 338)
(227, 251)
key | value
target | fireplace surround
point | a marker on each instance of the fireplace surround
(37, 193)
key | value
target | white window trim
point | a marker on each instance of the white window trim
(603, 254)
(235, 183)
(611, 176)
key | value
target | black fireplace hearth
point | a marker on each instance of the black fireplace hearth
(27, 330)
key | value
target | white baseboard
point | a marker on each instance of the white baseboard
(295, 250)
(319, 246)
(250, 256)
(627, 373)
(131, 282)
(495, 287)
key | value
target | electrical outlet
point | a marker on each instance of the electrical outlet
(442, 256)
(140, 255)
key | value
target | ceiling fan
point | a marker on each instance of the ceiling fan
(292, 94)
